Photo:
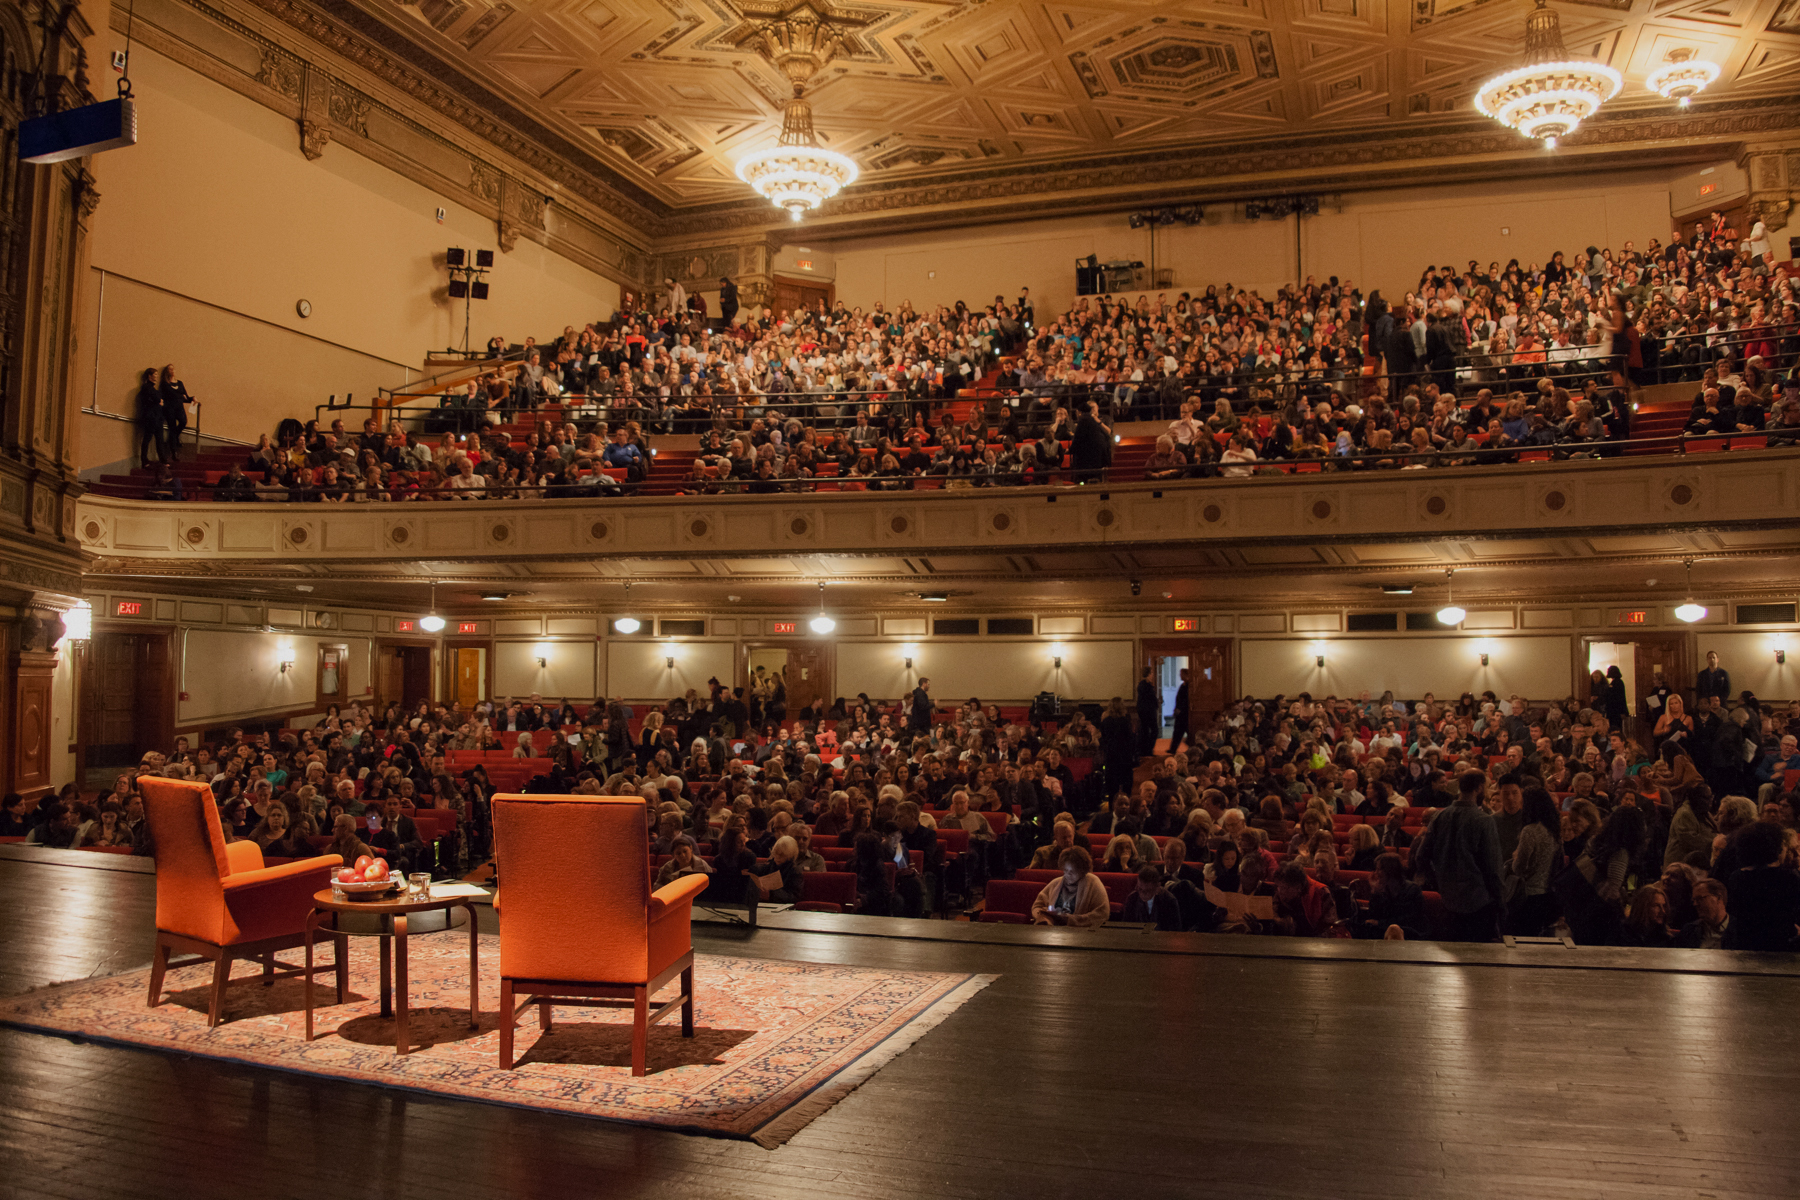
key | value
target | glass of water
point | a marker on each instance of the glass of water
(421, 884)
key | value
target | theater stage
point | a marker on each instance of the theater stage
(1096, 1066)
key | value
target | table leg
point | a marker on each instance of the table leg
(312, 920)
(474, 969)
(401, 1042)
(387, 966)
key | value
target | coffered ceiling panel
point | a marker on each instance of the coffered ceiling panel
(669, 93)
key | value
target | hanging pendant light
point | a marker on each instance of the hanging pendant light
(1552, 94)
(1689, 611)
(627, 624)
(822, 623)
(798, 174)
(1450, 614)
(431, 622)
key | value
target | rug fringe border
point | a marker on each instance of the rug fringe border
(821, 1100)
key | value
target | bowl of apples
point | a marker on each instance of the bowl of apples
(366, 879)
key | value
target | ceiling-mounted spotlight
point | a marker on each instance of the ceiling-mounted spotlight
(1450, 614)
(1307, 206)
(1253, 210)
(1397, 589)
(935, 597)
(1165, 216)
(496, 597)
(1135, 220)
(431, 622)
(1194, 215)
(822, 623)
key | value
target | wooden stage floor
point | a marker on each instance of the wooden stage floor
(1134, 1064)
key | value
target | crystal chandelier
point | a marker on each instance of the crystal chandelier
(798, 174)
(1551, 94)
(1682, 78)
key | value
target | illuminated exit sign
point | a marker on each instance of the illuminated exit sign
(784, 627)
(129, 608)
(1632, 616)
(1707, 189)
(405, 626)
(805, 264)
(466, 627)
(1187, 625)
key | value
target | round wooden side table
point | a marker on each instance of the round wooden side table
(391, 924)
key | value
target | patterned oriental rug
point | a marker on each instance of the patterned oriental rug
(775, 1043)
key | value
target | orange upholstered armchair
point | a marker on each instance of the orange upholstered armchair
(578, 922)
(217, 900)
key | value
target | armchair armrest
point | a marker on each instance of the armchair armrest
(243, 880)
(274, 901)
(677, 893)
(243, 855)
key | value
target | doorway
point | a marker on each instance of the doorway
(466, 670)
(804, 669)
(403, 673)
(1208, 662)
(791, 294)
(127, 705)
(1644, 662)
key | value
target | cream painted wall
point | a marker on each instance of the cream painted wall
(636, 669)
(995, 671)
(1535, 667)
(229, 674)
(1379, 239)
(569, 669)
(1750, 658)
(216, 204)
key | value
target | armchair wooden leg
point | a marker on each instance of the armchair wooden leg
(268, 964)
(341, 959)
(640, 1031)
(544, 1015)
(508, 1015)
(221, 976)
(687, 1003)
(159, 963)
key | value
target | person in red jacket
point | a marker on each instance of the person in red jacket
(1303, 905)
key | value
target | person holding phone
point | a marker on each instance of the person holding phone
(1076, 897)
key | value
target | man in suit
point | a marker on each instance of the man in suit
(1714, 680)
(1149, 706)
(728, 300)
(1181, 714)
(920, 716)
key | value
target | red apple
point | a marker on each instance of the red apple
(376, 870)
(348, 875)
(363, 862)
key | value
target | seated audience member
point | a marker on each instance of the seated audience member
(682, 861)
(1712, 921)
(1303, 905)
(1763, 894)
(1075, 897)
(1151, 904)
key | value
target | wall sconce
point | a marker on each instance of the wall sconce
(1484, 649)
(909, 664)
(1781, 655)
(542, 662)
(1057, 662)
(908, 652)
(287, 664)
(1057, 650)
(669, 663)
(1318, 649)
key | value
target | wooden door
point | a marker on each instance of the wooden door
(791, 294)
(155, 691)
(1209, 672)
(390, 677)
(416, 680)
(112, 706)
(1662, 657)
(806, 678)
(468, 677)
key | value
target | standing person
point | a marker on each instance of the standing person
(920, 716)
(1181, 714)
(1092, 447)
(728, 300)
(677, 297)
(150, 420)
(1713, 680)
(1117, 749)
(175, 400)
(1462, 850)
(1149, 706)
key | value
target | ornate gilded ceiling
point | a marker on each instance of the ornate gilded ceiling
(925, 91)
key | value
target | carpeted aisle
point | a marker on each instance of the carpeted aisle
(776, 1042)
